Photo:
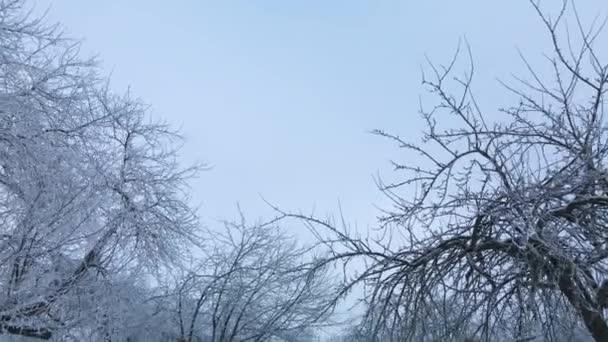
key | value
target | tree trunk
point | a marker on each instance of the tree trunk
(593, 319)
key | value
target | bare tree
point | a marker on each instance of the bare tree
(504, 216)
(90, 189)
(254, 284)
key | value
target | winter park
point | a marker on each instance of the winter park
(303, 171)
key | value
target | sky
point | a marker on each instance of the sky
(278, 97)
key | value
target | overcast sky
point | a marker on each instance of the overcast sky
(278, 96)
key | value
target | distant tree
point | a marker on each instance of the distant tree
(91, 193)
(505, 215)
(253, 284)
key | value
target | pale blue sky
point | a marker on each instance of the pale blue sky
(279, 95)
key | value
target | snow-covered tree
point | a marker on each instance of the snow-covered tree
(253, 284)
(91, 193)
(505, 215)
